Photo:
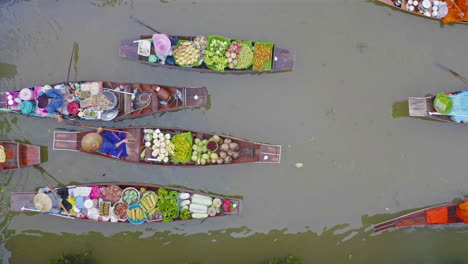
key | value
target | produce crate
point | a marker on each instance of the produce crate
(268, 65)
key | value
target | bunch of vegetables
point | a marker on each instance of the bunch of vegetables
(148, 202)
(228, 206)
(160, 144)
(136, 214)
(245, 57)
(167, 204)
(186, 54)
(200, 206)
(184, 205)
(200, 42)
(182, 147)
(215, 54)
(201, 154)
(232, 53)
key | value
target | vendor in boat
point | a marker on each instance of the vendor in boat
(51, 100)
(109, 143)
(46, 201)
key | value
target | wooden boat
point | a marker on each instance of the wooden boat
(125, 107)
(424, 107)
(282, 59)
(23, 201)
(419, 218)
(391, 3)
(20, 155)
(249, 152)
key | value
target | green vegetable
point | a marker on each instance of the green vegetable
(245, 58)
(183, 147)
(185, 214)
(167, 204)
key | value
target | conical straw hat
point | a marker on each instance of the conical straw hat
(91, 142)
(43, 202)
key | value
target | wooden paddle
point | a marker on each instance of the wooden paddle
(143, 24)
(108, 129)
(452, 72)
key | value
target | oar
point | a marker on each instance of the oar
(452, 72)
(143, 24)
(70, 63)
(108, 129)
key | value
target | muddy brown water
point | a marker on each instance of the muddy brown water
(337, 113)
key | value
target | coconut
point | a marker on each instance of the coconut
(235, 155)
(223, 154)
(230, 152)
(234, 146)
(227, 141)
(220, 161)
(224, 147)
(228, 160)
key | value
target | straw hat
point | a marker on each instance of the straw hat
(91, 142)
(43, 202)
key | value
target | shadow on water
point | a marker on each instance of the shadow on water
(76, 57)
(401, 109)
(111, 3)
(7, 71)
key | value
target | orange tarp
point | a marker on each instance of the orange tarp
(462, 211)
(454, 13)
(437, 216)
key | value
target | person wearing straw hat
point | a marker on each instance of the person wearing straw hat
(46, 202)
(109, 143)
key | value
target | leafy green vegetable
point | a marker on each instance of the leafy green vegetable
(185, 214)
(167, 204)
(183, 147)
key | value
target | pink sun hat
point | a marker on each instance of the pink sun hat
(162, 44)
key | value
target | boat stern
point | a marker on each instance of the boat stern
(268, 153)
(128, 49)
(66, 140)
(283, 60)
(196, 97)
(21, 201)
(30, 155)
(420, 106)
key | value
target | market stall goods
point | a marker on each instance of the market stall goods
(446, 107)
(157, 203)
(14, 155)
(210, 53)
(178, 147)
(103, 100)
(448, 11)
(444, 214)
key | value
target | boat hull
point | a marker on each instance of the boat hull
(22, 155)
(283, 59)
(250, 152)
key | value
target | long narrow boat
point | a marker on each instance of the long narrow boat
(127, 100)
(248, 151)
(422, 217)
(20, 155)
(424, 107)
(415, 11)
(281, 59)
(109, 202)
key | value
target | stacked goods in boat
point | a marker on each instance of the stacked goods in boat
(210, 53)
(449, 11)
(131, 203)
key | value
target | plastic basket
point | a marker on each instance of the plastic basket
(268, 64)
(131, 220)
